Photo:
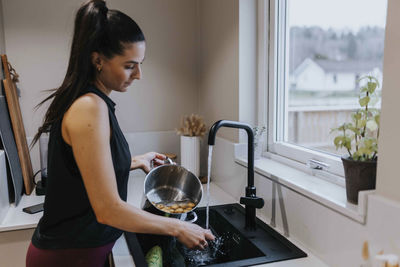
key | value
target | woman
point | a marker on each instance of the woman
(85, 209)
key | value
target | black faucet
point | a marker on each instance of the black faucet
(251, 201)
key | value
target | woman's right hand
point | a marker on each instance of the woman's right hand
(193, 236)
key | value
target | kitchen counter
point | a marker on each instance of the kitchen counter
(18, 220)
(122, 255)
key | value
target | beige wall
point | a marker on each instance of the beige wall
(228, 63)
(38, 44)
(2, 43)
(192, 60)
(13, 247)
(169, 87)
(388, 177)
(219, 63)
(38, 38)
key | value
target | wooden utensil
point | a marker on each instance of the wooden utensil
(18, 127)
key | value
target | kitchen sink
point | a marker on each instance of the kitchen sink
(234, 245)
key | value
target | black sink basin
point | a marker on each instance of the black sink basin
(234, 245)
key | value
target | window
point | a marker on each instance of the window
(317, 50)
(356, 81)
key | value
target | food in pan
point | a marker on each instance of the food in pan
(173, 207)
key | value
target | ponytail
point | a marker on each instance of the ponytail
(97, 29)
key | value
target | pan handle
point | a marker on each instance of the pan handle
(167, 160)
(194, 216)
(184, 216)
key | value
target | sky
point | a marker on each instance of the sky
(337, 14)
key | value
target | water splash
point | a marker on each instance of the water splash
(208, 184)
(206, 256)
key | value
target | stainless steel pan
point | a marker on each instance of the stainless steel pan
(172, 184)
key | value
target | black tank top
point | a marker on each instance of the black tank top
(68, 220)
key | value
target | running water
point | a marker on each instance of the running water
(208, 183)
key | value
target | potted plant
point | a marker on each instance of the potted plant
(360, 138)
(192, 128)
(258, 141)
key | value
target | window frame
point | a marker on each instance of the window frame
(272, 32)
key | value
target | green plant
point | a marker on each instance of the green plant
(258, 132)
(360, 136)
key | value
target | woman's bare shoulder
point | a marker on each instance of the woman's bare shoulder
(87, 112)
(88, 102)
(87, 106)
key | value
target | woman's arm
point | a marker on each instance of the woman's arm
(86, 128)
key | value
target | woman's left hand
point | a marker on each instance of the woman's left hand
(145, 161)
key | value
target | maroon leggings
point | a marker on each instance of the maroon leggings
(76, 257)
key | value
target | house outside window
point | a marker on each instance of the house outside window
(356, 82)
(314, 60)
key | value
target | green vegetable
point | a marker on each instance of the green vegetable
(154, 257)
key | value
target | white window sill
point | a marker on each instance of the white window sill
(329, 194)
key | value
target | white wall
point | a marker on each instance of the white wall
(38, 37)
(388, 178)
(247, 64)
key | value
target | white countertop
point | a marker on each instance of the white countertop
(16, 219)
(122, 255)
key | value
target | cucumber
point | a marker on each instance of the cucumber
(154, 257)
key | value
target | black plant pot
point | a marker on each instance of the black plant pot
(359, 175)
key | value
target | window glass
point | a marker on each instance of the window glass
(329, 45)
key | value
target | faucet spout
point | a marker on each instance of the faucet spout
(251, 201)
(250, 151)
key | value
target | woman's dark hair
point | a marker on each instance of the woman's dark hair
(97, 29)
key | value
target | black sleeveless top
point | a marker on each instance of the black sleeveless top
(68, 220)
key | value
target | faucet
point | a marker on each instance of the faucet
(251, 201)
